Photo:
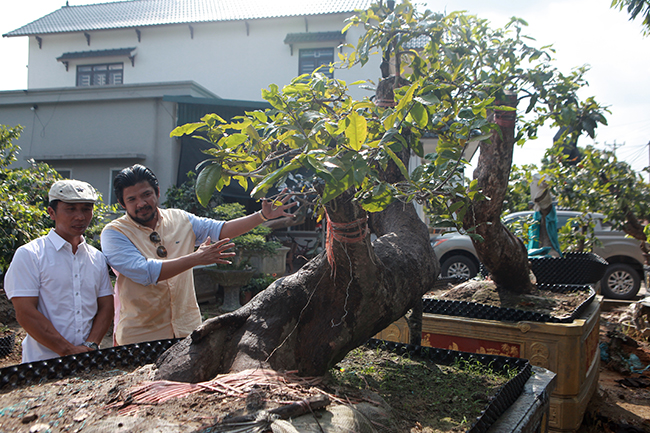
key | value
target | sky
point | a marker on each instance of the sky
(583, 32)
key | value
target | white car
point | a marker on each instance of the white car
(622, 278)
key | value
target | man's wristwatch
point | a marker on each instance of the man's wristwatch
(91, 345)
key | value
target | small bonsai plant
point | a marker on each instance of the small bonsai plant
(184, 197)
(255, 242)
(252, 243)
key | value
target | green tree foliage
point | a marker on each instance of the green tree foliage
(253, 242)
(599, 182)
(636, 8)
(184, 197)
(518, 197)
(24, 200)
(456, 69)
(596, 182)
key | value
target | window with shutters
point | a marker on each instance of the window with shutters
(310, 59)
(100, 75)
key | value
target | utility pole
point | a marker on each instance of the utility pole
(615, 146)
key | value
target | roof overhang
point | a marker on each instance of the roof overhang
(93, 156)
(117, 52)
(313, 37)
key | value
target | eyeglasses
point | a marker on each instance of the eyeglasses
(161, 250)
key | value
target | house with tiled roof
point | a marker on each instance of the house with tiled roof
(108, 82)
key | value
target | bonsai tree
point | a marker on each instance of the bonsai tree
(185, 197)
(451, 76)
(255, 241)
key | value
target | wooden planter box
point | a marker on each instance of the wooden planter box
(568, 349)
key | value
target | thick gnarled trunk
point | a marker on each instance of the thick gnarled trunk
(310, 320)
(502, 253)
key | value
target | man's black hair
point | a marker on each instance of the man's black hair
(133, 175)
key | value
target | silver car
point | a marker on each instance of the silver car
(622, 278)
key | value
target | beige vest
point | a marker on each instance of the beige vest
(169, 308)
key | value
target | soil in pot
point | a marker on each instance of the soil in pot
(415, 395)
(556, 304)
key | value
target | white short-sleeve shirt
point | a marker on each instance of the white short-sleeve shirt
(67, 286)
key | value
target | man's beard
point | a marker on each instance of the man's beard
(143, 221)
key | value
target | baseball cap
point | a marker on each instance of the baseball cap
(73, 191)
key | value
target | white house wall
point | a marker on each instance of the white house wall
(230, 60)
(91, 131)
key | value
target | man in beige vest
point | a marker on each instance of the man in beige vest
(153, 251)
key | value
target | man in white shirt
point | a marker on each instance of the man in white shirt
(58, 284)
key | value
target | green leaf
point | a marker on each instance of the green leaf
(389, 120)
(236, 139)
(418, 148)
(428, 99)
(186, 129)
(389, 137)
(502, 108)
(319, 167)
(363, 104)
(476, 237)
(243, 181)
(531, 104)
(378, 202)
(455, 206)
(407, 98)
(252, 133)
(466, 113)
(357, 131)
(211, 119)
(360, 170)
(269, 181)
(335, 188)
(397, 161)
(420, 115)
(206, 182)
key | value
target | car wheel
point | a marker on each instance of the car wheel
(620, 281)
(458, 266)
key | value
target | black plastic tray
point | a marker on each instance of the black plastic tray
(7, 344)
(132, 355)
(573, 268)
(474, 310)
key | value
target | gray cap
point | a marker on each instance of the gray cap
(73, 191)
